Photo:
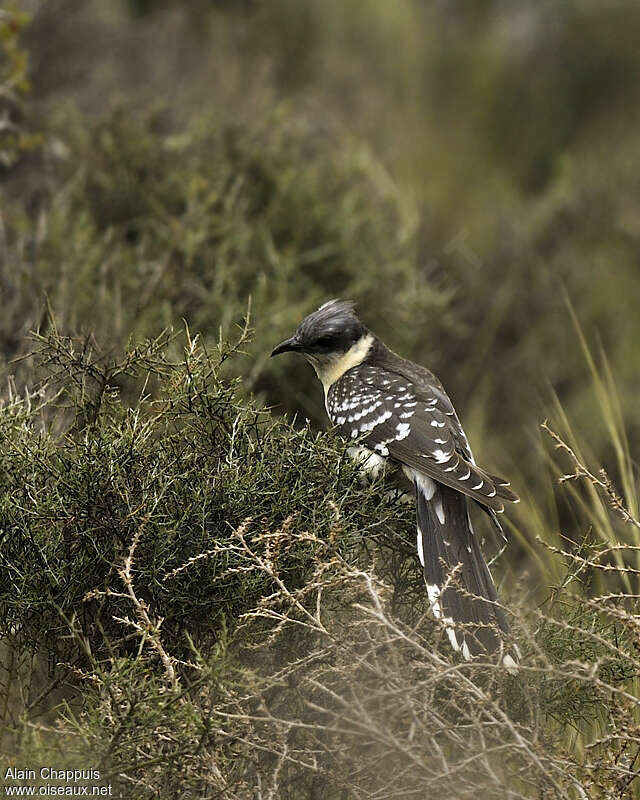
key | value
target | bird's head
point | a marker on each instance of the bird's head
(326, 334)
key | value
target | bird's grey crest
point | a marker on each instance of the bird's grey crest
(335, 316)
(332, 327)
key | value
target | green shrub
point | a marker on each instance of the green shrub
(219, 605)
(179, 471)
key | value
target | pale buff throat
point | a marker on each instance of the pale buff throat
(331, 368)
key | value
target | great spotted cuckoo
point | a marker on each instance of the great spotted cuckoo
(399, 414)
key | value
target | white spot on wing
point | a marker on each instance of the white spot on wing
(440, 456)
(369, 426)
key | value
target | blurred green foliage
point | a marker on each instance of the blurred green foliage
(453, 171)
(15, 137)
(155, 227)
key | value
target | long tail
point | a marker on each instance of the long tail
(459, 583)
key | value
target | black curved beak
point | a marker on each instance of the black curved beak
(291, 345)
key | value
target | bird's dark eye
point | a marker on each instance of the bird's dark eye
(324, 341)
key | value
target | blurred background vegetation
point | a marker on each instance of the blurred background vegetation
(467, 173)
(455, 169)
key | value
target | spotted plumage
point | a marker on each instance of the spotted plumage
(413, 422)
(398, 412)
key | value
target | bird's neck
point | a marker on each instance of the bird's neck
(331, 368)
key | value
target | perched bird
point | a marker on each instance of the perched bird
(400, 414)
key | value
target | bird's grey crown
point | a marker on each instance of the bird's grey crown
(332, 327)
